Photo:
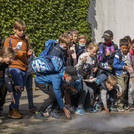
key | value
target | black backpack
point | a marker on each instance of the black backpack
(111, 58)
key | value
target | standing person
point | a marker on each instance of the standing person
(29, 84)
(74, 46)
(105, 50)
(82, 42)
(60, 50)
(7, 54)
(20, 43)
(121, 69)
(51, 85)
(130, 62)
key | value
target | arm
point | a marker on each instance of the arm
(104, 100)
(117, 64)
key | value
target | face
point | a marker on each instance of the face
(133, 46)
(68, 77)
(8, 60)
(75, 36)
(108, 40)
(19, 33)
(93, 51)
(124, 49)
(109, 86)
(64, 46)
(82, 41)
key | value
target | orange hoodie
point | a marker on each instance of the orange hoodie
(21, 59)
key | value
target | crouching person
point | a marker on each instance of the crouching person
(51, 84)
(107, 84)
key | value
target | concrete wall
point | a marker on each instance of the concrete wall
(115, 15)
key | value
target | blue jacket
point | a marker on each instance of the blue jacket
(59, 52)
(56, 80)
(118, 65)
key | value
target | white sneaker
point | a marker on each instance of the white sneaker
(90, 80)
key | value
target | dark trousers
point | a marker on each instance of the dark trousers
(47, 89)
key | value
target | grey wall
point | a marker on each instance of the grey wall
(116, 15)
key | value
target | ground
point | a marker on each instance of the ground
(90, 123)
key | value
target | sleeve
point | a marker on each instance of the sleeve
(129, 63)
(80, 64)
(6, 43)
(56, 82)
(118, 88)
(103, 97)
(117, 64)
(101, 78)
(8, 80)
(78, 84)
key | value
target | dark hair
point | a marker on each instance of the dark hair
(123, 42)
(132, 42)
(128, 38)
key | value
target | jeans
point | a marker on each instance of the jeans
(19, 78)
(48, 89)
(83, 95)
(29, 84)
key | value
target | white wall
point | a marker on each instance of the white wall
(114, 15)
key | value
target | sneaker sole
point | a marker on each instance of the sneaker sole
(79, 113)
(13, 117)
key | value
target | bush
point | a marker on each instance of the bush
(45, 19)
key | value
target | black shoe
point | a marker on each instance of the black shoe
(53, 113)
(71, 109)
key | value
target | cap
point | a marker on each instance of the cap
(70, 70)
(108, 34)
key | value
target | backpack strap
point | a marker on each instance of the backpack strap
(10, 42)
(120, 55)
(130, 55)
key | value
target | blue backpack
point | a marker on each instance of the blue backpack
(49, 44)
(47, 65)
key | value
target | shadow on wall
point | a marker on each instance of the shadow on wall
(91, 17)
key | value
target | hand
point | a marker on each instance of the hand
(12, 97)
(84, 58)
(95, 69)
(107, 110)
(70, 52)
(30, 51)
(91, 77)
(67, 112)
(18, 88)
(127, 68)
(132, 79)
(1, 73)
(108, 53)
(119, 94)
(14, 48)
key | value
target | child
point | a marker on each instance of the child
(29, 84)
(61, 49)
(130, 63)
(106, 83)
(87, 68)
(74, 47)
(51, 84)
(82, 40)
(105, 49)
(128, 38)
(121, 69)
(20, 42)
(7, 54)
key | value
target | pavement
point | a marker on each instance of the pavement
(90, 123)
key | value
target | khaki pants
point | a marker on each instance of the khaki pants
(123, 81)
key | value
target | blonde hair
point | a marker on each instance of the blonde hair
(64, 38)
(7, 52)
(112, 80)
(83, 37)
(93, 45)
(20, 25)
